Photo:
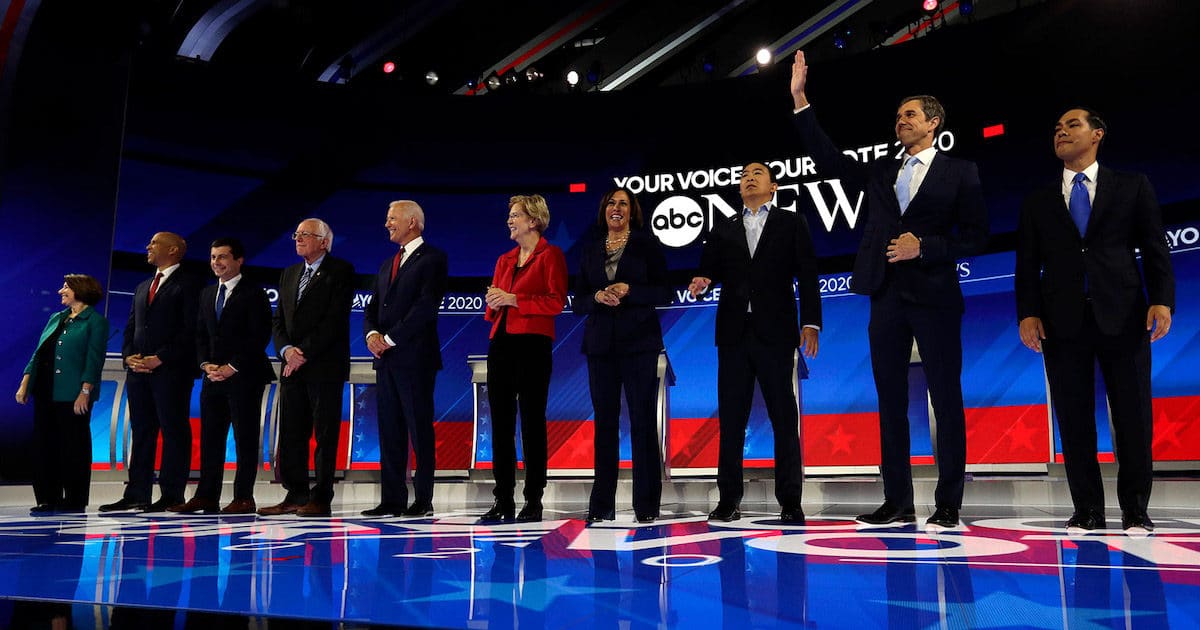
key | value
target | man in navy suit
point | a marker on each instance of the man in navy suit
(922, 214)
(757, 255)
(1081, 300)
(312, 336)
(160, 359)
(232, 334)
(400, 325)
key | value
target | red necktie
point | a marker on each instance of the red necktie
(396, 264)
(154, 287)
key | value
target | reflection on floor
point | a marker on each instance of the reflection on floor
(1001, 569)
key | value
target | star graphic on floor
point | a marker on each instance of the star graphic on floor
(550, 588)
(1005, 610)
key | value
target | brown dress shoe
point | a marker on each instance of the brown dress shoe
(314, 508)
(196, 504)
(240, 506)
(282, 508)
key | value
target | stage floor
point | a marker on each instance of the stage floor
(1004, 568)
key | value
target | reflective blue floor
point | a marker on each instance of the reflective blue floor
(998, 572)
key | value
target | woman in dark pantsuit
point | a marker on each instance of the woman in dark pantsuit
(63, 380)
(529, 288)
(622, 277)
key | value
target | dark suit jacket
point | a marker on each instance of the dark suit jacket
(947, 213)
(1053, 259)
(166, 328)
(320, 324)
(785, 251)
(406, 309)
(241, 337)
(633, 325)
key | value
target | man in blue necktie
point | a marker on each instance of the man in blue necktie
(1081, 300)
(232, 334)
(922, 216)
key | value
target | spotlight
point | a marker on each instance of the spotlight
(929, 6)
(708, 65)
(763, 57)
(511, 78)
(431, 77)
(572, 78)
(595, 73)
(492, 82)
(841, 39)
(389, 67)
(532, 74)
(966, 7)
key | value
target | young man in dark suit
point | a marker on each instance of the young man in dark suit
(756, 255)
(159, 351)
(312, 336)
(232, 334)
(922, 214)
(400, 325)
(1081, 300)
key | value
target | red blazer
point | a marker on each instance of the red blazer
(541, 290)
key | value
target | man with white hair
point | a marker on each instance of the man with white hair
(312, 337)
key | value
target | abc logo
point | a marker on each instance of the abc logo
(677, 221)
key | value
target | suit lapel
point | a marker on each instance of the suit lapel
(1103, 200)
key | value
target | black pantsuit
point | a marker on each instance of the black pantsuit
(236, 402)
(607, 375)
(938, 333)
(519, 376)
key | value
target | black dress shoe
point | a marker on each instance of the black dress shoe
(43, 509)
(1136, 522)
(888, 513)
(792, 516)
(530, 513)
(419, 508)
(67, 508)
(592, 517)
(195, 504)
(501, 512)
(943, 517)
(596, 516)
(124, 505)
(1086, 520)
(646, 518)
(725, 513)
(162, 505)
(384, 509)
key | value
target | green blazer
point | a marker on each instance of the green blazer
(79, 357)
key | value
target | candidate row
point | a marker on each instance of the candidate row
(1082, 298)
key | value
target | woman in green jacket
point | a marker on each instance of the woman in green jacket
(63, 379)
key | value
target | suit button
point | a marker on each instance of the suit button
(1083, 251)
(60, 342)
(58, 371)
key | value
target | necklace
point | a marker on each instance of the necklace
(610, 242)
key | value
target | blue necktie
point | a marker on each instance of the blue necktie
(1080, 206)
(220, 300)
(904, 182)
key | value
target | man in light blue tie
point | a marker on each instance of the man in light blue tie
(922, 215)
(1081, 300)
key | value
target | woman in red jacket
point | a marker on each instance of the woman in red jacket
(529, 288)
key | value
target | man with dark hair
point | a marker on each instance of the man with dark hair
(922, 215)
(400, 325)
(232, 334)
(312, 336)
(160, 357)
(1081, 301)
(756, 255)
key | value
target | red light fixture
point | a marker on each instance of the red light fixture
(578, 187)
(992, 131)
(389, 67)
(929, 5)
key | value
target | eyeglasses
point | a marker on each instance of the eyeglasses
(299, 235)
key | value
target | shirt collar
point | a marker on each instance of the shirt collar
(231, 283)
(316, 264)
(925, 156)
(166, 273)
(1089, 172)
(763, 209)
(413, 245)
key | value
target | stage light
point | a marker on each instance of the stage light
(763, 57)
(966, 7)
(389, 67)
(929, 6)
(595, 73)
(532, 74)
(431, 77)
(492, 82)
(841, 39)
(572, 78)
(707, 65)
